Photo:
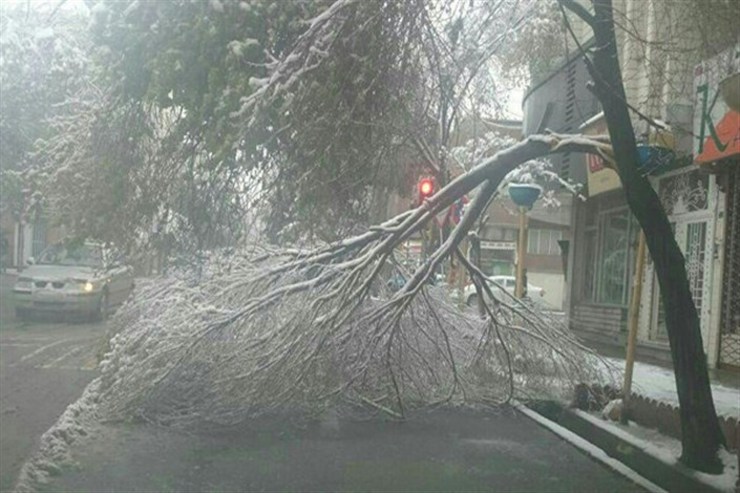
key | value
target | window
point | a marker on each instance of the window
(494, 233)
(502, 234)
(510, 234)
(614, 257)
(38, 242)
(608, 254)
(533, 241)
(685, 192)
(544, 242)
(588, 291)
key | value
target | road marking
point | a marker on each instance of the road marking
(29, 340)
(75, 368)
(42, 349)
(69, 353)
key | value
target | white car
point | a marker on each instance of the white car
(86, 279)
(508, 283)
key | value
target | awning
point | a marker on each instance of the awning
(716, 124)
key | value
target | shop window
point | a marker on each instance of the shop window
(608, 256)
(685, 192)
(588, 290)
(544, 242)
(615, 253)
(661, 331)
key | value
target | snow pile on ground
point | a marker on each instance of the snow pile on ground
(244, 336)
(660, 384)
(613, 410)
(54, 452)
(727, 481)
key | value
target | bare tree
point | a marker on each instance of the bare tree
(700, 432)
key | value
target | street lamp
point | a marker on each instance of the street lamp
(524, 196)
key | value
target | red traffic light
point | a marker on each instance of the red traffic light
(426, 187)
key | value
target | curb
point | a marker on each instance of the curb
(593, 451)
(671, 477)
(675, 477)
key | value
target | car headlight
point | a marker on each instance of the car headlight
(87, 287)
(24, 283)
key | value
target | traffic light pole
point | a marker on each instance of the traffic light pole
(521, 253)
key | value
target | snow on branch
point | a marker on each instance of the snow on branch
(307, 54)
(297, 332)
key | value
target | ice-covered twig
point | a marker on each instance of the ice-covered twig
(302, 330)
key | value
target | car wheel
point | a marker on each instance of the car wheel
(472, 300)
(102, 312)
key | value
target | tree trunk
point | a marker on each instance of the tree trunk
(701, 435)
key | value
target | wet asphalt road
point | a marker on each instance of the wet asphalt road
(498, 450)
(44, 366)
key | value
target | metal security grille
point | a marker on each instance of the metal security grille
(730, 331)
(695, 260)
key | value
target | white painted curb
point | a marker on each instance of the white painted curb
(589, 449)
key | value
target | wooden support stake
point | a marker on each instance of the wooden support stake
(632, 327)
(521, 253)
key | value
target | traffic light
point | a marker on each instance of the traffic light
(426, 188)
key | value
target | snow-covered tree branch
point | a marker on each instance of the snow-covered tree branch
(279, 331)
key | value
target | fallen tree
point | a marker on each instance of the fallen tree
(298, 331)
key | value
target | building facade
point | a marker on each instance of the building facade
(547, 229)
(700, 198)
(22, 240)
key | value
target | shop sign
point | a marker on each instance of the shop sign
(498, 245)
(716, 125)
(600, 178)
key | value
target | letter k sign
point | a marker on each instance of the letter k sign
(706, 119)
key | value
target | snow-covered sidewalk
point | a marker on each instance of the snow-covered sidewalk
(659, 383)
(667, 450)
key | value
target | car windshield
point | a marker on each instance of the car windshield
(86, 255)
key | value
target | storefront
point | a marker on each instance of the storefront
(729, 343)
(606, 237)
(717, 152)
(497, 257)
(691, 201)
